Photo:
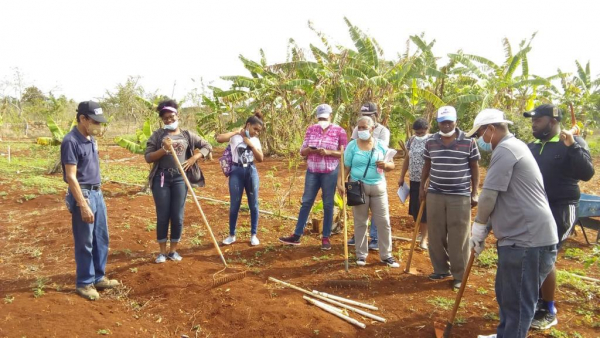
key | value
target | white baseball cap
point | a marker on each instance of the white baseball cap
(485, 117)
(446, 113)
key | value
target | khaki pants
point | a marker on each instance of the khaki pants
(448, 221)
(376, 200)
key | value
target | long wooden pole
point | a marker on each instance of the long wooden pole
(344, 215)
(346, 306)
(345, 300)
(459, 295)
(414, 237)
(334, 311)
(191, 190)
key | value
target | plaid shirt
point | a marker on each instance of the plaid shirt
(331, 138)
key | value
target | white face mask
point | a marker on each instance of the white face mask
(364, 135)
(324, 124)
(448, 134)
(172, 126)
(420, 138)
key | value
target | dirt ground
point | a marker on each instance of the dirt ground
(37, 271)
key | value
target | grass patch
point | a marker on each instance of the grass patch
(482, 291)
(574, 254)
(488, 258)
(136, 174)
(39, 286)
(442, 303)
(29, 197)
(150, 226)
(588, 290)
(491, 316)
(8, 299)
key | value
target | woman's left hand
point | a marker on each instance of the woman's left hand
(188, 163)
(341, 188)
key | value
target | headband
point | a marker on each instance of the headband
(171, 109)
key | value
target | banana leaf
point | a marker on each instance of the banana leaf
(131, 146)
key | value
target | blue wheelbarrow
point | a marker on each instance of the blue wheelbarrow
(589, 206)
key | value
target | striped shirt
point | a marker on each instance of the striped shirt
(331, 138)
(450, 170)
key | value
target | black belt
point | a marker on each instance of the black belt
(90, 186)
(170, 170)
(241, 165)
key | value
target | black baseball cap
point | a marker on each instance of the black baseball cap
(368, 108)
(92, 110)
(549, 110)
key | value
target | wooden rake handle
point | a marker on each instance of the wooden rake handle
(459, 295)
(414, 238)
(191, 190)
(344, 211)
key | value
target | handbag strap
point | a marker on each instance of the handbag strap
(369, 163)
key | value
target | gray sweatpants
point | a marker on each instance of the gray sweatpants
(448, 221)
(376, 200)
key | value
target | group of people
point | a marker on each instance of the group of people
(529, 196)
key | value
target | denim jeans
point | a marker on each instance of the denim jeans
(243, 179)
(312, 183)
(91, 239)
(521, 272)
(373, 231)
(170, 204)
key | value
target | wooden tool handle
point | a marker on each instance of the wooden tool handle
(191, 190)
(459, 294)
(344, 211)
(414, 238)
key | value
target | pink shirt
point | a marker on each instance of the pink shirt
(331, 138)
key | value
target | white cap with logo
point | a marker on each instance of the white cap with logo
(446, 113)
(485, 117)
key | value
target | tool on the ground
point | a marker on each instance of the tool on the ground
(346, 306)
(343, 283)
(334, 311)
(344, 212)
(443, 330)
(414, 238)
(230, 276)
(400, 238)
(344, 300)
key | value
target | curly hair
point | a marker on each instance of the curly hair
(166, 103)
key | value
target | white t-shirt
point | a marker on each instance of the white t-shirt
(239, 152)
(380, 133)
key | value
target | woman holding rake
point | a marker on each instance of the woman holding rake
(167, 184)
(245, 149)
(364, 161)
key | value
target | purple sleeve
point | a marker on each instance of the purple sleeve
(343, 138)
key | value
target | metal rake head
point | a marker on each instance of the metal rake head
(227, 278)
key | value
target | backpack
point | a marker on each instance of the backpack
(226, 161)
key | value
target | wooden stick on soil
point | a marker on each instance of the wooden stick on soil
(414, 238)
(344, 300)
(334, 311)
(346, 306)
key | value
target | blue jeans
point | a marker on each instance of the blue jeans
(243, 179)
(91, 239)
(373, 232)
(170, 204)
(521, 272)
(312, 183)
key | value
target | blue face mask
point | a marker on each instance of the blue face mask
(247, 133)
(484, 146)
(172, 126)
(364, 135)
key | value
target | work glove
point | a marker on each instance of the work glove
(478, 234)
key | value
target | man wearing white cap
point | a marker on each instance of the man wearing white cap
(451, 165)
(321, 146)
(514, 201)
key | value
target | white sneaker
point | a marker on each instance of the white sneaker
(229, 240)
(490, 336)
(161, 258)
(254, 240)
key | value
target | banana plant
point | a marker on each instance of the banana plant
(57, 133)
(141, 137)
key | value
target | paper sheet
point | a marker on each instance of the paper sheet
(389, 155)
(403, 192)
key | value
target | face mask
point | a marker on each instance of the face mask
(324, 124)
(364, 135)
(542, 134)
(448, 134)
(484, 146)
(420, 138)
(172, 126)
(93, 129)
(247, 133)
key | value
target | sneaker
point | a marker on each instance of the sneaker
(325, 244)
(88, 292)
(352, 241)
(254, 240)
(291, 240)
(490, 336)
(161, 258)
(229, 240)
(373, 245)
(106, 283)
(174, 256)
(424, 246)
(543, 320)
(361, 262)
(456, 284)
(438, 276)
(391, 262)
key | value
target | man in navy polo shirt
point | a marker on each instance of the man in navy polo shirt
(451, 165)
(81, 170)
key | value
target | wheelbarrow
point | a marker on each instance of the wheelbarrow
(589, 206)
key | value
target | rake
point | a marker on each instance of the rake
(233, 274)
